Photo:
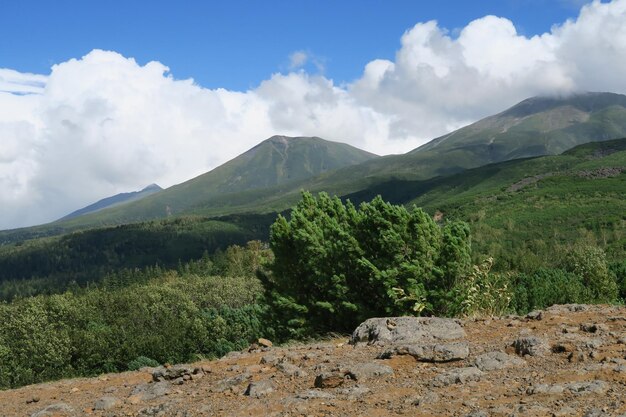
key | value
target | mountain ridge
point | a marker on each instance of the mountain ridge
(114, 200)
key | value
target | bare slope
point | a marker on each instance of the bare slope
(568, 361)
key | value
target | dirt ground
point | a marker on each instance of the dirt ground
(577, 369)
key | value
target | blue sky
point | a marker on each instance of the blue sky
(236, 44)
(96, 97)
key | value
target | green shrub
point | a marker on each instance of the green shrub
(546, 287)
(141, 362)
(482, 293)
(589, 262)
(336, 265)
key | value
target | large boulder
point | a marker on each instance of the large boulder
(406, 331)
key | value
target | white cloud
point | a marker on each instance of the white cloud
(297, 59)
(104, 124)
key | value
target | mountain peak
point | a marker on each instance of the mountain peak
(152, 187)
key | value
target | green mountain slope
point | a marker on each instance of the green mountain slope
(521, 211)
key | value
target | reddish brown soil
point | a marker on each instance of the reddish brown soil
(595, 356)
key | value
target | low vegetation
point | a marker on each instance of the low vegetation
(328, 266)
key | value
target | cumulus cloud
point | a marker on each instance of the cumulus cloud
(104, 124)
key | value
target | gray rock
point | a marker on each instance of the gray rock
(315, 394)
(228, 383)
(53, 409)
(106, 403)
(371, 370)
(429, 398)
(531, 345)
(458, 376)
(406, 330)
(593, 343)
(147, 392)
(162, 373)
(497, 360)
(477, 413)
(565, 412)
(355, 392)
(545, 389)
(439, 352)
(535, 315)
(290, 369)
(589, 387)
(259, 389)
(596, 412)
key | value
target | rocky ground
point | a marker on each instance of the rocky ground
(564, 361)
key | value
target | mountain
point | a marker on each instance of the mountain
(536, 126)
(270, 176)
(275, 162)
(539, 126)
(114, 201)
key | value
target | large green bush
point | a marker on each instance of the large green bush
(336, 265)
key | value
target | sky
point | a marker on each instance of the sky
(98, 98)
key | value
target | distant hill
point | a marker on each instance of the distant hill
(277, 161)
(114, 201)
(539, 126)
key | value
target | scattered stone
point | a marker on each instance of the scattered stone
(228, 383)
(497, 360)
(535, 315)
(593, 343)
(265, 343)
(106, 403)
(315, 394)
(530, 345)
(406, 330)
(147, 392)
(477, 413)
(591, 387)
(171, 373)
(565, 412)
(429, 398)
(290, 369)
(596, 412)
(458, 376)
(355, 392)
(545, 389)
(371, 370)
(329, 380)
(260, 389)
(440, 352)
(32, 400)
(54, 410)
